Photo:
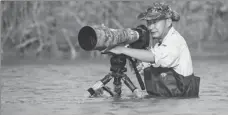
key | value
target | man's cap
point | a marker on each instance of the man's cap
(158, 11)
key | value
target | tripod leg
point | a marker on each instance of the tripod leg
(137, 74)
(128, 82)
(106, 79)
(108, 90)
(99, 84)
(117, 85)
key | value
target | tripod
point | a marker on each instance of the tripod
(117, 69)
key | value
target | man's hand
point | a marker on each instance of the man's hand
(140, 68)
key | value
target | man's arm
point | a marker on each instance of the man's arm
(140, 54)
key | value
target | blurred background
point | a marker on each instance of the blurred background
(49, 29)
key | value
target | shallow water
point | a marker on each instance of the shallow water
(58, 89)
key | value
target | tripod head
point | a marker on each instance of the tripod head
(118, 63)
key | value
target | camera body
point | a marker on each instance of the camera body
(144, 38)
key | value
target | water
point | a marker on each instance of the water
(58, 89)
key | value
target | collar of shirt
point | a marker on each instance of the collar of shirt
(170, 32)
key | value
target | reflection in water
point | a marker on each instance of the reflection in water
(57, 89)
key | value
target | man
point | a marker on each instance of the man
(170, 71)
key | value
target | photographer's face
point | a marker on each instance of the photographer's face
(158, 28)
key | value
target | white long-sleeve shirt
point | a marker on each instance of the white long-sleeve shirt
(173, 53)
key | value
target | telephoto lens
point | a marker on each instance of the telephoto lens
(101, 37)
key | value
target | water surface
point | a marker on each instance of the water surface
(58, 87)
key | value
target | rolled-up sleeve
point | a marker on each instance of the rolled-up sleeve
(166, 56)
